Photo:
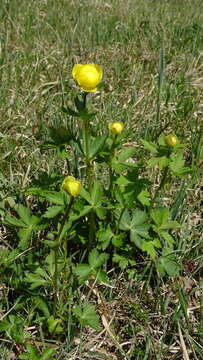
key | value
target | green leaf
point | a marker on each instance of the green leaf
(104, 236)
(126, 153)
(87, 315)
(39, 278)
(160, 216)
(167, 237)
(125, 221)
(47, 353)
(152, 162)
(177, 162)
(101, 212)
(24, 236)
(56, 197)
(54, 325)
(52, 211)
(100, 276)
(83, 272)
(137, 226)
(148, 246)
(42, 305)
(144, 197)
(7, 257)
(121, 260)
(32, 351)
(95, 259)
(86, 195)
(139, 217)
(11, 220)
(119, 196)
(70, 111)
(96, 194)
(138, 233)
(79, 103)
(117, 241)
(4, 325)
(24, 213)
(96, 145)
(82, 213)
(150, 146)
(122, 180)
(163, 162)
(170, 265)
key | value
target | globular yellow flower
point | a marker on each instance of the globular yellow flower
(88, 76)
(116, 127)
(72, 186)
(171, 140)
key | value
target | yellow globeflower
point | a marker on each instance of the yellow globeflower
(116, 127)
(72, 186)
(171, 140)
(88, 76)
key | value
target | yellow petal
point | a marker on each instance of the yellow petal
(72, 186)
(86, 89)
(75, 70)
(116, 127)
(100, 71)
(88, 76)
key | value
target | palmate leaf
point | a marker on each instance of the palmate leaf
(125, 221)
(100, 276)
(148, 246)
(161, 218)
(47, 353)
(96, 260)
(139, 217)
(96, 194)
(144, 197)
(96, 145)
(24, 236)
(52, 211)
(170, 265)
(127, 153)
(83, 272)
(56, 197)
(148, 145)
(39, 278)
(136, 225)
(121, 260)
(87, 315)
(24, 213)
(177, 162)
(41, 304)
(11, 220)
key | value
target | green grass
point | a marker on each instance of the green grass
(151, 53)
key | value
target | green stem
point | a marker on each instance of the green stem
(150, 266)
(111, 172)
(58, 240)
(89, 172)
(201, 306)
(161, 185)
(119, 220)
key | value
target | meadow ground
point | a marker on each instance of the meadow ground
(151, 52)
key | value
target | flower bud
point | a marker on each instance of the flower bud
(72, 186)
(88, 76)
(116, 127)
(171, 140)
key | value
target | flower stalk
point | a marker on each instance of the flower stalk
(89, 170)
(58, 241)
